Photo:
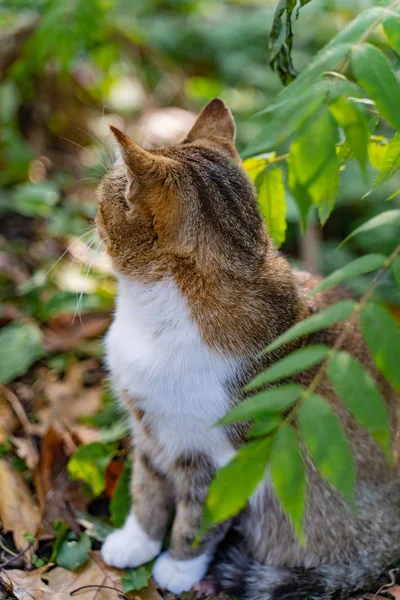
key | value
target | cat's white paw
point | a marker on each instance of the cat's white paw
(179, 575)
(129, 546)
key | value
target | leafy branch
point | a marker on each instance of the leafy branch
(273, 430)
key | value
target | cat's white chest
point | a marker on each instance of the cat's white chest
(155, 352)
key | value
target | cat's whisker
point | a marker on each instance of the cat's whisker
(78, 310)
(90, 150)
(68, 249)
(105, 152)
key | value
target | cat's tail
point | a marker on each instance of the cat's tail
(240, 575)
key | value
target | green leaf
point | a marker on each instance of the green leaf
(277, 126)
(389, 217)
(264, 426)
(263, 403)
(321, 320)
(74, 553)
(89, 464)
(234, 483)
(313, 165)
(35, 199)
(271, 198)
(21, 344)
(136, 579)
(333, 56)
(281, 40)
(95, 527)
(374, 73)
(391, 26)
(361, 396)
(288, 477)
(327, 444)
(355, 127)
(390, 163)
(355, 268)
(61, 529)
(396, 271)
(382, 335)
(297, 361)
(120, 504)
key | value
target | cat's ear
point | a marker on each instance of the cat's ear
(215, 123)
(140, 164)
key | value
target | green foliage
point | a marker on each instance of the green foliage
(271, 198)
(390, 163)
(234, 483)
(389, 217)
(264, 426)
(382, 335)
(355, 268)
(121, 501)
(348, 116)
(396, 271)
(281, 40)
(288, 476)
(73, 552)
(313, 165)
(296, 362)
(278, 410)
(327, 317)
(361, 396)
(374, 73)
(96, 528)
(35, 199)
(20, 346)
(263, 403)
(60, 529)
(334, 460)
(89, 464)
(321, 105)
(136, 579)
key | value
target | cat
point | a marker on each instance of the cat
(201, 291)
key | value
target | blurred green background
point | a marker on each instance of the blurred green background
(70, 69)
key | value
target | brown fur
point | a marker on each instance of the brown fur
(190, 212)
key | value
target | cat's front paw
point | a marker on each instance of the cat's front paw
(179, 576)
(130, 546)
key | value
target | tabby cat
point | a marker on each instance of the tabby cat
(200, 291)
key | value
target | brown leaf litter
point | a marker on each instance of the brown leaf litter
(95, 580)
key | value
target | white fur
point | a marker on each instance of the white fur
(179, 576)
(129, 546)
(156, 353)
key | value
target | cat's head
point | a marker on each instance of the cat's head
(191, 202)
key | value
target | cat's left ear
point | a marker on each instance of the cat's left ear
(140, 164)
(215, 124)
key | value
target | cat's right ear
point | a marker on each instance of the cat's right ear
(216, 125)
(140, 164)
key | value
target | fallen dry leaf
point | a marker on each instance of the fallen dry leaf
(8, 421)
(390, 592)
(113, 473)
(63, 336)
(18, 510)
(58, 583)
(59, 495)
(69, 399)
(28, 585)
(26, 450)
